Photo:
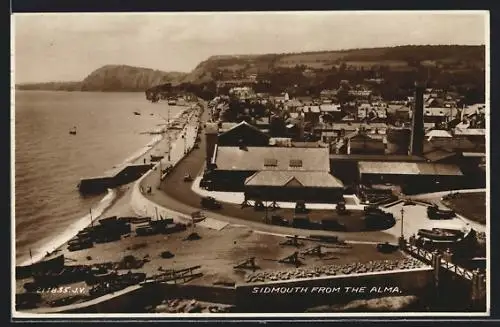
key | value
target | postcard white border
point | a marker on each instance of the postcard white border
(245, 316)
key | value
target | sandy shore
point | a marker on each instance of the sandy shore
(116, 202)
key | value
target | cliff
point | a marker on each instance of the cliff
(127, 78)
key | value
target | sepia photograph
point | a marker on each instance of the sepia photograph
(250, 164)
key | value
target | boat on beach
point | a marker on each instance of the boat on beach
(117, 283)
(46, 265)
(441, 234)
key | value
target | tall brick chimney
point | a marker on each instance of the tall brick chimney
(417, 126)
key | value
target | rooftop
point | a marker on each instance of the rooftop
(440, 111)
(470, 131)
(285, 158)
(350, 126)
(437, 133)
(376, 157)
(330, 107)
(296, 178)
(408, 168)
(234, 126)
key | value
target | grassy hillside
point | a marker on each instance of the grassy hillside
(404, 58)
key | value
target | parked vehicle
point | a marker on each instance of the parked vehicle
(206, 184)
(341, 208)
(154, 158)
(373, 209)
(259, 206)
(433, 212)
(386, 247)
(300, 207)
(378, 220)
(210, 203)
(301, 222)
(278, 220)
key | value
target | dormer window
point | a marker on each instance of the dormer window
(270, 162)
(295, 163)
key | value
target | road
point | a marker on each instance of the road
(186, 206)
(178, 196)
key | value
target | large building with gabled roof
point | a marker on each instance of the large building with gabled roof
(275, 173)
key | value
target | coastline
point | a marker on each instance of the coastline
(106, 204)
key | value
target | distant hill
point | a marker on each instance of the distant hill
(400, 58)
(51, 86)
(112, 78)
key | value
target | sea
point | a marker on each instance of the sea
(49, 162)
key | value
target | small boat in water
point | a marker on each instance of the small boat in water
(137, 113)
(73, 131)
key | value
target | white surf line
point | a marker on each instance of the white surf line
(72, 230)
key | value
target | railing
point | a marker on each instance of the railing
(429, 258)
(420, 253)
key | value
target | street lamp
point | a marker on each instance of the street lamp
(402, 242)
(402, 221)
(185, 140)
(168, 133)
(161, 173)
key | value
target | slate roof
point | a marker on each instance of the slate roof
(295, 178)
(438, 155)
(408, 168)
(253, 158)
(437, 133)
(243, 123)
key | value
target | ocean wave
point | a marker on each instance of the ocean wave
(73, 229)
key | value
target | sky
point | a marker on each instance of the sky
(68, 47)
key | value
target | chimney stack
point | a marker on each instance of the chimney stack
(417, 127)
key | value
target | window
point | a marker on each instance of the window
(270, 162)
(295, 163)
